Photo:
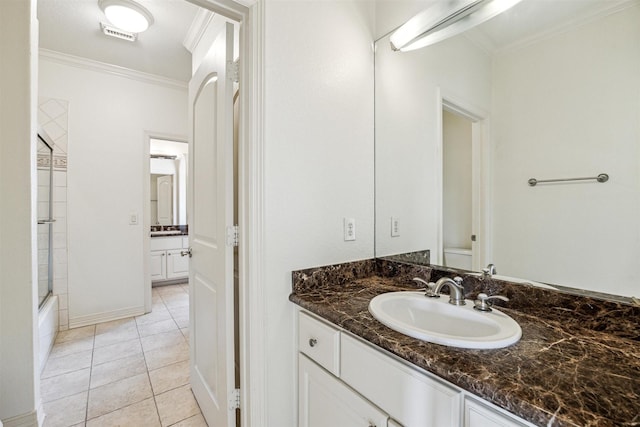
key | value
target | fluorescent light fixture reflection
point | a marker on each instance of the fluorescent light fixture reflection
(126, 15)
(444, 20)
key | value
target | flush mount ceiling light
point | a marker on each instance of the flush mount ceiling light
(126, 15)
(444, 20)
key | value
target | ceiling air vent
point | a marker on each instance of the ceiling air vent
(118, 33)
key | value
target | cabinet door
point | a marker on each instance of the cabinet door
(479, 415)
(325, 401)
(158, 265)
(177, 265)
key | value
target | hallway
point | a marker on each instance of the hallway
(129, 372)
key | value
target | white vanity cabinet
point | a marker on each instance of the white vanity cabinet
(477, 414)
(166, 261)
(158, 265)
(177, 265)
(344, 381)
(326, 401)
(412, 398)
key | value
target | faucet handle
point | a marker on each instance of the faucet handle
(483, 302)
(430, 288)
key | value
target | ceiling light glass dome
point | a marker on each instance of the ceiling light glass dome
(126, 15)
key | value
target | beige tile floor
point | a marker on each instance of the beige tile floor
(130, 372)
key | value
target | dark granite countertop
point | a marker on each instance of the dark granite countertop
(155, 234)
(577, 363)
(169, 230)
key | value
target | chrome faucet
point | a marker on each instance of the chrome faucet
(489, 271)
(456, 290)
(429, 287)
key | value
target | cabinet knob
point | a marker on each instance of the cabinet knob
(313, 342)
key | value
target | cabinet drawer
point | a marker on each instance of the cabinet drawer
(412, 398)
(320, 342)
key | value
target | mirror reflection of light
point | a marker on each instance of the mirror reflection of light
(440, 22)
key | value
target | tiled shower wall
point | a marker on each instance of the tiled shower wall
(53, 118)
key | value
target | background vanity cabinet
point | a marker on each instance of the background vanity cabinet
(158, 265)
(166, 261)
(345, 381)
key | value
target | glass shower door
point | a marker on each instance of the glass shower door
(45, 219)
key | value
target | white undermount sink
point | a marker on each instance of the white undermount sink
(435, 320)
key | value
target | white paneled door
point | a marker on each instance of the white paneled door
(211, 215)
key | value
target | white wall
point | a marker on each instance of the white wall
(18, 304)
(548, 126)
(408, 131)
(390, 14)
(108, 117)
(319, 161)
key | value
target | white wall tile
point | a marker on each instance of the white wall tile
(60, 286)
(60, 178)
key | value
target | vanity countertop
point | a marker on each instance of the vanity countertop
(577, 363)
(155, 234)
(169, 230)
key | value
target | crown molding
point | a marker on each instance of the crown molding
(197, 29)
(101, 67)
(607, 9)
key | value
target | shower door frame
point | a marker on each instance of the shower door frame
(46, 140)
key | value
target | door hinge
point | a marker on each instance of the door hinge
(234, 400)
(233, 71)
(233, 237)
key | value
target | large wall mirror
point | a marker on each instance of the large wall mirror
(168, 182)
(546, 90)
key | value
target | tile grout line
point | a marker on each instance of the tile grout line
(139, 338)
(93, 335)
(93, 349)
(144, 356)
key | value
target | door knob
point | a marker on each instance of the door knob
(187, 252)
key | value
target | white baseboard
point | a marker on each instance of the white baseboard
(29, 419)
(106, 316)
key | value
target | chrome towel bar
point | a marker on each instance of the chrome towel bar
(603, 177)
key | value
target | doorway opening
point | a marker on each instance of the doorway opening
(457, 169)
(464, 235)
